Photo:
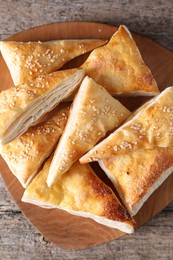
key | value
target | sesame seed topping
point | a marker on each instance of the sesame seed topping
(62, 51)
(155, 127)
(92, 101)
(126, 145)
(116, 148)
(81, 45)
(158, 135)
(136, 126)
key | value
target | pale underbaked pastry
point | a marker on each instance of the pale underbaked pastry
(28, 60)
(25, 154)
(80, 192)
(22, 106)
(119, 67)
(148, 127)
(94, 112)
(138, 174)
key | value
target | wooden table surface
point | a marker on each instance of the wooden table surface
(18, 239)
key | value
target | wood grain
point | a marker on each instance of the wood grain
(75, 232)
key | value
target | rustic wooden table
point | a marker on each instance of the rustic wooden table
(18, 239)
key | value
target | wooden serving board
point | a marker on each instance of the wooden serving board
(63, 229)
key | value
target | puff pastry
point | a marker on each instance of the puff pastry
(25, 154)
(80, 192)
(119, 67)
(138, 174)
(27, 61)
(148, 127)
(22, 106)
(94, 112)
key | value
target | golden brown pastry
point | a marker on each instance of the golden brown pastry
(119, 67)
(25, 154)
(27, 61)
(80, 192)
(22, 106)
(149, 127)
(94, 112)
(136, 175)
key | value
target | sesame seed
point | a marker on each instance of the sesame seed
(116, 148)
(64, 114)
(81, 45)
(92, 101)
(135, 142)
(62, 51)
(158, 135)
(126, 145)
(136, 126)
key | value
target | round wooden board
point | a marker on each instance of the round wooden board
(63, 229)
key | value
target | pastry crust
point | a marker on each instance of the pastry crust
(80, 192)
(138, 174)
(27, 61)
(119, 67)
(149, 127)
(22, 106)
(94, 112)
(25, 154)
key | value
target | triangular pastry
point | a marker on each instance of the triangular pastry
(28, 60)
(22, 106)
(80, 192)
(148, 127)
(25, 154)
(138, 174)
(119, 67)
(94, 112)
